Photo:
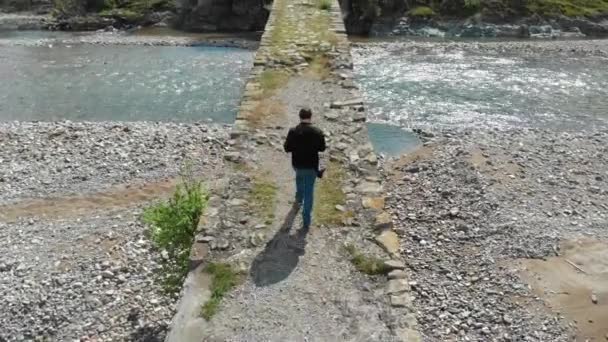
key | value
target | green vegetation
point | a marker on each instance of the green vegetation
(122, 13)
(319, 67)
(328, 195)
(323, 4)
(130, 10)
(422, 12)
(224, 279)
(173, 224)
(320, 26)
(472, 4)
(271, 80)
(263, 197)
(365, 264)
(67, 7)
(570, 8)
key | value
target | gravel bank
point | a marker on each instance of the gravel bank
(40, 159)
(472, 201)
(89, 278)
(125, 38)
(574, 47)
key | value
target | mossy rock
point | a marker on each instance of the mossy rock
(421, 12)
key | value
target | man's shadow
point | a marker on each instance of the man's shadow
(281, 254)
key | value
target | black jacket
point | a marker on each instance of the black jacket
(305, 141)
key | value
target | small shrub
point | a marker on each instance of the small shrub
(67, 7)
(224, 279)
(324, 4)
(422, 12)
(472, 4)
(172, 227)
(365, 264)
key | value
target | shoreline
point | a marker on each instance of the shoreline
(148, 36)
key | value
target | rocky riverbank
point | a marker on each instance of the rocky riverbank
(470, 204)
(76, 262)
(528, 27)
(112, 36)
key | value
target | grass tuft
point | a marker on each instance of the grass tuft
(319, 67)
(173, 224)
(265, 109)
(271, 80)
(365, 264)
(263, 197)
(329, 194)
(224, 279)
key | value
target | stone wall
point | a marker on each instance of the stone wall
(303, 59)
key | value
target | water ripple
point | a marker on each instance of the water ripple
(433, 85)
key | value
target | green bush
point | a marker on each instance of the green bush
(570, 8)
(324, 4)
(422, 12)
(172, 227)
(68, 7)
(472, 4)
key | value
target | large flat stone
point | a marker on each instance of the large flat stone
(394, 265)
(397, 286)
(403, 300)
(383, 221)
(376, 203)
(347, 103)
(369, 188)
(408, 335)
(389, 241)
(397, 274)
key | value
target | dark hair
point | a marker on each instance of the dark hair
(305, 113)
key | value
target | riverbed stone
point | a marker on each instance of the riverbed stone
(376, 203)
(384, 221)
(389, 241)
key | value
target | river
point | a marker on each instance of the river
(54, 80)
(497, 85)
(407, 83)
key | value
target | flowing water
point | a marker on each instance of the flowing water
(113, 82)
(433, 84)
(439, 84)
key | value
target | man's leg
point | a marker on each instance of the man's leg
(299, 186)
(310, 176)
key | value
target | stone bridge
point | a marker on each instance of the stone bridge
(299, 287)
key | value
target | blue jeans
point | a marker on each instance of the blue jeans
(305, 187)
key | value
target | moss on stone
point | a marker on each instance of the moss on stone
(365, 264)
(422, 12)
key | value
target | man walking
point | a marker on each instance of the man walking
(305, 141)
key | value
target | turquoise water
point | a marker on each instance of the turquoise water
(92, 82)
(391, 140)
(439, 85)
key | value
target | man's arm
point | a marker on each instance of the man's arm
(288, 145)
(322, 142)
